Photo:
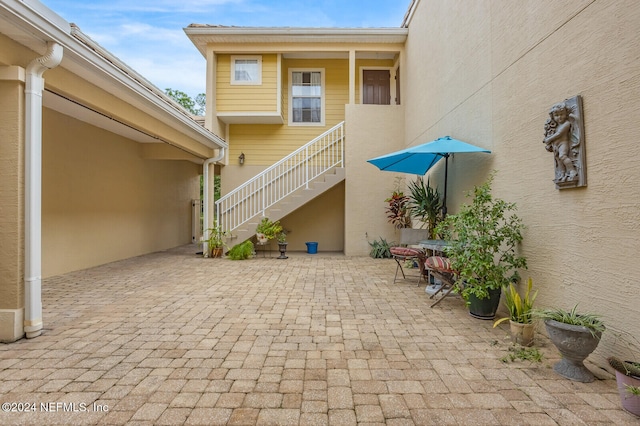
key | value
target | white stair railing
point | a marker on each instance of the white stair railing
(291, 173)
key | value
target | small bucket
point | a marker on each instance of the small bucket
(312, 247)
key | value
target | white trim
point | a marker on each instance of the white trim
(408, 16)
(322, 97)
(12, 73)
(392, 87)
(232, 77)
(250, 117)
(279, 84)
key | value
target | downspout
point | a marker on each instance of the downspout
(33, 187)
(205, 201)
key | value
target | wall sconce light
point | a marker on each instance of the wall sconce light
(241, 158)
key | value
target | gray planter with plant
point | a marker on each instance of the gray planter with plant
(282, 245)
(575, 336)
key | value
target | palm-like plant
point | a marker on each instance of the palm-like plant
(426, 204)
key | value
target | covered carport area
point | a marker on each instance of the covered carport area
(97, 164)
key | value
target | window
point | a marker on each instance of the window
(306, 97)
(246, 70)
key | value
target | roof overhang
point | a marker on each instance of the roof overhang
(32, 25)
(203, 35)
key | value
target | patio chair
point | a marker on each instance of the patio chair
(409, 250)
(440, 267)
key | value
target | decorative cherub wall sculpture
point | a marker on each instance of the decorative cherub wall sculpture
(564, 136)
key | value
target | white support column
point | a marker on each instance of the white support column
(210, 114)
(352, 77)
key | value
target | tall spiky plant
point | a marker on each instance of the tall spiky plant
(426, 204)
(520, 308)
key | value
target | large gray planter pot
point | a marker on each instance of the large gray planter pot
(575, 343)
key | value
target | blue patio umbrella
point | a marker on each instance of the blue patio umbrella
(419, 159)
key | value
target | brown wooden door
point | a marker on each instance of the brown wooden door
(375, 87)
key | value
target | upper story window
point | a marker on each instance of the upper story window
(246, 70)
(306, 97)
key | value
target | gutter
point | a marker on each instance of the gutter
(205, 201)
(408, 16)
(117, 70)
(33, 187)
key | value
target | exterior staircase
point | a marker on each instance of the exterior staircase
(285, 186)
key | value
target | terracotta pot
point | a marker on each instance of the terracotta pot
(216, 252)
(575, 343)
(522, 334)
(630, 402)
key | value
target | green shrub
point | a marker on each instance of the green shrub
(241, 251)
(380, 249)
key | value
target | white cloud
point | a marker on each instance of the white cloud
(148, 34)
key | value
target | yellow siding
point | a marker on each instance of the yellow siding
(264, 144)
(249, 98)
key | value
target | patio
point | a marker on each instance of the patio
(171, 338)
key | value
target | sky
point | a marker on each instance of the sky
(148, 34)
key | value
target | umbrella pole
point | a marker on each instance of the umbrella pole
(446, 172)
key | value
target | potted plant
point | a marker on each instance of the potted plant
(426, 205)
(520, 314)
(482, 248)
(282, 245)
(575, 335)
(267, 230)
(216, 240)
(398, 210)
(628, 380)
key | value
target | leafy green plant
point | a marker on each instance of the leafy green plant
(522, 353)
(592, 322)
(426, 204)
(380, 249)
(282, 237)
(519, 308)
(483, 240)
(241, 251)
(269, 228)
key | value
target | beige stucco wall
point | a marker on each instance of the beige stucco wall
(321, 220)
(488, 74)
(11, 191)
(372, 130)
(102, 201)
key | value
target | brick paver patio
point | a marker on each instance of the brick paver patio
(171, 338)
